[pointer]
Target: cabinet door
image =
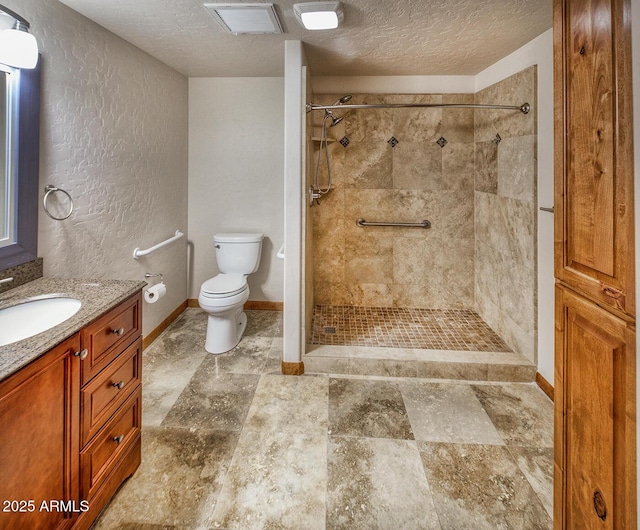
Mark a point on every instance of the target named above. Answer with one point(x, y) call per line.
point(594, 150)
point(595, 416)
point(39, 439)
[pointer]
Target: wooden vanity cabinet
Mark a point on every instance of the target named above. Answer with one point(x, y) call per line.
point(110, 405)
point(39, 440)
point(71, 425)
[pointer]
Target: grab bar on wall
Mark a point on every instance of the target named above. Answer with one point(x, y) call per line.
point(137, 253)
point(421, 224)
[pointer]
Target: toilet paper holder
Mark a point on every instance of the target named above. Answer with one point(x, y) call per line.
point(148, 275)
point(155, 292)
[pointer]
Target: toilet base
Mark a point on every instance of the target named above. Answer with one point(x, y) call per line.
point(224, 334)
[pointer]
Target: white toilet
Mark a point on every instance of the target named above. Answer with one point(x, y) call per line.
point(223, 296)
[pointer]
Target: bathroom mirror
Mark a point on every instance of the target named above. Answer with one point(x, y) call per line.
point(19, 161)
point(6, 175)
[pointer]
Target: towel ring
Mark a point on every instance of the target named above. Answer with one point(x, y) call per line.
point(51, 189)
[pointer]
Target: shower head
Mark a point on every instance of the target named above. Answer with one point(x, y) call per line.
point(329, 114)
point(343, 99)
point(334, 120)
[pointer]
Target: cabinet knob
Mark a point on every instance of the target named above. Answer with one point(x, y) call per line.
point(82, 354)
point(118, 331)
point(118, 439)
point(119, 385)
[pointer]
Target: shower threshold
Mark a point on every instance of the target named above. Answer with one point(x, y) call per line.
point(398, 342)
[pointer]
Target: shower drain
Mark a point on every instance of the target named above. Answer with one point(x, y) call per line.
point(330, 330)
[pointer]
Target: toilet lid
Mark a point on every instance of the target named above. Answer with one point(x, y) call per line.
point(225, 284)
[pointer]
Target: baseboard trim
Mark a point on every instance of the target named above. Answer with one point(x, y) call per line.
point(544, 385)
point(252, 305)
point(263, 305)
point(147, 340)
point(292, 368)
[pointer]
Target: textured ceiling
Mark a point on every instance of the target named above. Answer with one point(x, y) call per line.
point(377, 37)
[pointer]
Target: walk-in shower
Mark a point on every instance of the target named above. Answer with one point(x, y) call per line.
point(463, 166)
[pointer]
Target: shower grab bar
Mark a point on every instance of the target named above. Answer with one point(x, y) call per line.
point(137, 253)
point(421, 224)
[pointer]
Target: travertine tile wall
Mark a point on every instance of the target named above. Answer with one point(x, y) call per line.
point(505, 212)
point(415, 180)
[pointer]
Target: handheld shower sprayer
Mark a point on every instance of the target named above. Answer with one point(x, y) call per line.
point(343, 100)
point(316, 192)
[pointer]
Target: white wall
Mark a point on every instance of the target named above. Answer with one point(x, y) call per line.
point(295, 90)
point(113, 134)
point(236, 153)
point(540, 52)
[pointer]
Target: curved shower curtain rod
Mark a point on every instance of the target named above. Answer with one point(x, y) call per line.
point(524, 108)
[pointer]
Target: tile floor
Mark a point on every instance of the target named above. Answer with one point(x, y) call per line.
point(228, 442)
point(394, 327)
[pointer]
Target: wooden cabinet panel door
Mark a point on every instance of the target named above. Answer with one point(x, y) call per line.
point(595, 416)
point(39, 438)
point(593, 150)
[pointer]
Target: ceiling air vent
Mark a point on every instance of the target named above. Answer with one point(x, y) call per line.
point(245, 18)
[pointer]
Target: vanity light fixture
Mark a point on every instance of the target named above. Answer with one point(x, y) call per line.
point(319, 15)
point(18, 48)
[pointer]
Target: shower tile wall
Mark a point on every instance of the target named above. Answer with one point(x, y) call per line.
point(505, 212)
point(414, 180)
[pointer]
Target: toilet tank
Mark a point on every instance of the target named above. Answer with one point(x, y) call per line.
point(238, 253)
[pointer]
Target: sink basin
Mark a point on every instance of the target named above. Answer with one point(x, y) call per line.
point(35, 316)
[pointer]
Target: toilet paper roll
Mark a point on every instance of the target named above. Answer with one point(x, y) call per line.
point(154, 293)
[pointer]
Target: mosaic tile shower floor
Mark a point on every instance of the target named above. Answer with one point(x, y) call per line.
point(392, 327)
point(228, 442)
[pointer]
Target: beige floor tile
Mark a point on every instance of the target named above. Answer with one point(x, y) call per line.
point(178, 482)
point(521, 413)
point(270, 465)
point(447, 412)
point(362, 408)
point(537, 465)
point(275, 480)
point(290, 405)
point(376, 483)
point(213, 401)
point(480, 487)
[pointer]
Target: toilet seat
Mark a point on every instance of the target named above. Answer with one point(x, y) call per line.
point(224, 286)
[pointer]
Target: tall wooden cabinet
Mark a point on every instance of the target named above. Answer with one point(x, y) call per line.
point(595, 444)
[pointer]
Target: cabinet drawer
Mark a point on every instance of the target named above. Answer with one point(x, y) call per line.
point(108, 390)
point(113, 440)
point(105, 337)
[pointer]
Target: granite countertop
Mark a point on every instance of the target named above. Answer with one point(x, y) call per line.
point(97, 297)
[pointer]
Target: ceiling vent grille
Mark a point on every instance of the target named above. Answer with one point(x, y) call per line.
point(246, 18)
